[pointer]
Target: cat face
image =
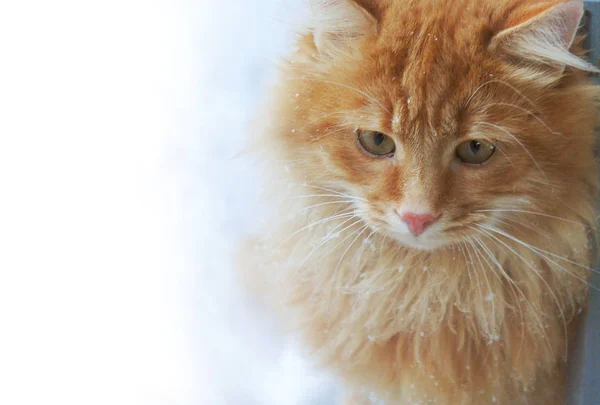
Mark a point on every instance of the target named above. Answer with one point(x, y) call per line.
point(435, 122)
point(422, 183)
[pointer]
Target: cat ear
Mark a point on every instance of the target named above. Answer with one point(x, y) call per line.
point(338, 23)
point(546, 37)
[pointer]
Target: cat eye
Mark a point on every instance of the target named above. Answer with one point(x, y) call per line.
point(475, 152)
point(376, 144)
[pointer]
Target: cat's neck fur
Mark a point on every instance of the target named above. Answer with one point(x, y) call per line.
point(450, 316)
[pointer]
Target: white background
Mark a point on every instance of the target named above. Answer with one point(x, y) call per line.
point(120, 204)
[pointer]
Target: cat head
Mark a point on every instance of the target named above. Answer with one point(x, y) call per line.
point(438, 117)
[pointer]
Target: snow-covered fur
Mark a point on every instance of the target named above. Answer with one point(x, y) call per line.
point(481, 311)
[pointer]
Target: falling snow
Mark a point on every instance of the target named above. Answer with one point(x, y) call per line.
point(494, 339)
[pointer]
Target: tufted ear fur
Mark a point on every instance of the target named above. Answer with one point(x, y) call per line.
point(545, 37)
point(338, 23)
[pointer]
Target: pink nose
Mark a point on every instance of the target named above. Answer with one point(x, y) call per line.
point(417, 223)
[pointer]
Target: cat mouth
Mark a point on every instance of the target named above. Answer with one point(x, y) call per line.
point(422, 242)
point(433, 239)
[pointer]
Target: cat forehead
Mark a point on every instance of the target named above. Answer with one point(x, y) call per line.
point(428, 84)
point(436, 108)
point(413, 121)
point(447, 19)
point(422, 39)
point(432, 61)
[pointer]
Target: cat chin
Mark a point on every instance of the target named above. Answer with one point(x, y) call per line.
point(420, 244)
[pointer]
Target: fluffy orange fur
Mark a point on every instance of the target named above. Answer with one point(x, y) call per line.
point(481, 313)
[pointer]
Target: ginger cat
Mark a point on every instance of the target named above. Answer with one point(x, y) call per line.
point(432, 167)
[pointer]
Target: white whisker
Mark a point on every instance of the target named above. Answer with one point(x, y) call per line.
point(514, 288)
point(537, 273)
point(486, 280)
point(533, 310)
point(466, 262)
point(298, 197)
point(322, 221)
point(511, 222)
point(328, 190)
point(331, 236)
point(339, 202)
point(471, 264)
point(510, 86)
point(534, 213)
point(541, 253)
point(333, 277)
point(531, 114)
point(369, 97)
point(328, 134)
point(499, 128)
